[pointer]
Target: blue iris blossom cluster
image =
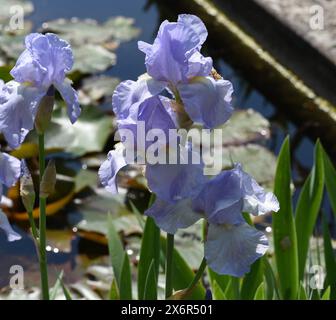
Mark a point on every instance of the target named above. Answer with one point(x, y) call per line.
point(181, 88)
point(40, 69)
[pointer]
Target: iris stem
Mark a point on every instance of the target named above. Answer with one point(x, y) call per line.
point(42, 226)
point(33, 226)
point(169, 265)
point(198, 275)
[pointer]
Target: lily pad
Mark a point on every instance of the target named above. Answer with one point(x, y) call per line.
point(243, 127)
point(96, 89)
point(88, 31)
point(88, 134)
point(93, 215)
point(11, 46)
point(257, 160)
point(92, 59)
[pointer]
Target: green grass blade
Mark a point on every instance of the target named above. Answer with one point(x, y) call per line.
point(330, 180)
point(114, 291)
point(151, 283)
point(302, 293)
point(217, 291)
point(150, 251)
point(125, 287)
point(308, 207)
point(330, 262)
point(260, 292)
point(58, 284)
point(284, 233)
point(326, 294)
point(183, 275)
point(116, 251)
point(252, 280)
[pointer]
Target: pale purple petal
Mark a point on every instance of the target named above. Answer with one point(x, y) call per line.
point(46, 60)
point(10, 169)
point(109, 169)
point(174, 182)
point(70, 96)
point(18, 107)
point(222, 198)
point(207, 101)
point(5, 226)
point(171, 217)
point(130, 94)
point(196, 24)
point(232, 249)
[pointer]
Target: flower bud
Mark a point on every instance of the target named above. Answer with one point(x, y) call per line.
point(27, 191)
point(48, 182)
point(44, 111)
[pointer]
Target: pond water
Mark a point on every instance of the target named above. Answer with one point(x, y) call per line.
point(130, 64)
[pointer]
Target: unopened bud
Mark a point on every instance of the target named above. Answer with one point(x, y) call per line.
point(48, 182)
point(44, 111)
point(27, 191)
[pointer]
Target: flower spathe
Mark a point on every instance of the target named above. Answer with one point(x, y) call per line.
point(10, 171)
point(44, 63)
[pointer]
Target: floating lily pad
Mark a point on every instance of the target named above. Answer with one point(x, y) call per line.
point(88, 134)
point(96, 89)
point(88, 31)
point(92, 59)
point(11, 46)
point(257, 160)
point(243, 127)
point(93, 214)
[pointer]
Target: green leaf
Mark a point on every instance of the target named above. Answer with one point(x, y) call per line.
point(330, 180)
point(271, 285)
point(302, 293)
point(217, 292)
point(330, 261)
point(284, 233)
point(114, 292)
point(232, 289)
point(183, 275)
point(66, 292)
point(125, 284)
point(150, 251)
point(308, 207)
point(150, 292)
point(326, 294)
point(117, 253)
point(252, 280)
point(260, 292)
point(54, 290)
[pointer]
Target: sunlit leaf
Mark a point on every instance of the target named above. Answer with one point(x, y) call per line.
point(284, 233)
point(308, 207)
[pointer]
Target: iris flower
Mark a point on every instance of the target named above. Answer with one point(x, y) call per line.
point(42, 65)
point(231, 245)
point(10, 171)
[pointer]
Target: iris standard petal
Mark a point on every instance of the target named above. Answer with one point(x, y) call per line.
point(70, 96)
point(18, 107)
point(167, 58)
point(207, 101)
point(196, 24)
point(10, 169)
point(130, 94)
point(171, 217)
point(232, 249)
point(5, 226)
point(45, 61)
point(109, 169)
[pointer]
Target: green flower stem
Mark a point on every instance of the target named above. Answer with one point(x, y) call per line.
point(43, 227)
point(169, 265)
point(33, 226)
point(198, 275)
